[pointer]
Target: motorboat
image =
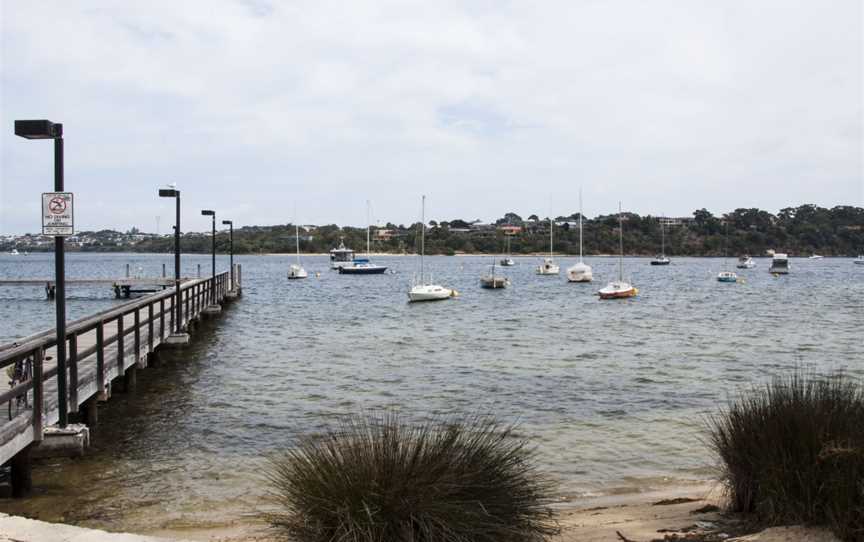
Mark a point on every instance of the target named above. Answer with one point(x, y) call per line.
point(549, 267)
point(14, 252)
point(619, 289)
point(727, 276)
point(362, 266)
point(815, 257)
point(859, 260)
point(426, 291)
point(341, 256)
point(745, 262)
point(779, 264)
point(493, 281)
point(580, 272)
point(295, 270)
point(661, 259)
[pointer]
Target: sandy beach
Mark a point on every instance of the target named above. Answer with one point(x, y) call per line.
point(689, 513)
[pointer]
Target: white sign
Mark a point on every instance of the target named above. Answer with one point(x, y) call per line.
point(57, 216)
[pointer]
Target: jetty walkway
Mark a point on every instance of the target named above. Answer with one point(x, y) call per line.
point(104, 350)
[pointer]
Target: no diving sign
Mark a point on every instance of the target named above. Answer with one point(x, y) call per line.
point(57, 216)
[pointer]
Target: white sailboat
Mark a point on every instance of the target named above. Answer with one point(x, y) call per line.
point(422, 290)
point(619, 289)
point(661, 258)
point(295, 270)
point(726, 275)
point(549, 267)
point(580, 272)
point(507, 261)
point(493, 281)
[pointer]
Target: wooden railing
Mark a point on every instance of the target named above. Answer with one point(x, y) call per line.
point(154, 313)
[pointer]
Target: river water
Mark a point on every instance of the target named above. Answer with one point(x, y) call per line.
point(613, 393)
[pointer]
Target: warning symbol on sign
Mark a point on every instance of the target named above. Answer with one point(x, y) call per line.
point(57, 216)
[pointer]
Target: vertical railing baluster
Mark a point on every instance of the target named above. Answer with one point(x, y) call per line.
point(150, 328)
point(162, 319)
point(120, 346)
point(137, 335)
point(100, 357)
point(73, 373)
point(38, 394)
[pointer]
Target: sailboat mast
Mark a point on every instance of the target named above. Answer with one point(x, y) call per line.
point(662, 238)
point(580, 225)
point(422, 235)
point(297, 237)
point(620, 245)
point(368, 226)
point(550, 236)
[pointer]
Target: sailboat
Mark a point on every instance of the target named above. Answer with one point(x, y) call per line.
point(493, 281)
point(549, 267)
point(362, 266)
point(507, 261)
point(859, 260)
point(619, 289)
point(661, 258)
point(295, 270)
point(580, 272)
point(426, 291)
point(726, 275)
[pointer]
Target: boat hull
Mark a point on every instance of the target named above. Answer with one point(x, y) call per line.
point(552, 270)
point(429, 293)
point(618, 290)
point(580, 272)
point(363, 270)
point(660, 262)
point(495, 283)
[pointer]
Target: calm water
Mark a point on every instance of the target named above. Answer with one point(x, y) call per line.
point(614, 393)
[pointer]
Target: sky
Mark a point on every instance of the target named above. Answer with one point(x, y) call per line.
point(270, 112)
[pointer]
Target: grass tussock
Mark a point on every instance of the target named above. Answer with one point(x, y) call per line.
point(380, 479)
point(793, 452)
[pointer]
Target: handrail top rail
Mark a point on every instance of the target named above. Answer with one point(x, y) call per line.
point(47, 339)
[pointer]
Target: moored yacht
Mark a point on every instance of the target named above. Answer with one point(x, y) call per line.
point(362, 266)
point(295, 270)
point(779, 264)
point(859, 260)
point(341, 256)
point(507, 261)
point(580, 272)
point(549, 267)
point(493, 281)
point(426, 291)
point(727, 276)
point(745, 262)
point(619, 289)
point(661, 258)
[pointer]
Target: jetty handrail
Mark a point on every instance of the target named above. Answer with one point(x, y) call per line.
point(47, 339)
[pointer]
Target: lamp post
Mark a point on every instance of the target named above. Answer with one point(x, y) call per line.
point(230, 225)
point(45, 129)
point(207, 212)
point(178, 307)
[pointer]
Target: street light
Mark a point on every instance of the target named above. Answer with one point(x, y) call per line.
point(230, 225)
point(45, 129)
point(174, 193)
point(207, 212)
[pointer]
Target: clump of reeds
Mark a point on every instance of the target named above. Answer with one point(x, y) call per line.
point(381, 479)
point(793, 452)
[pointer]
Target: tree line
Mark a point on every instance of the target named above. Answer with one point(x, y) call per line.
point(802, 230)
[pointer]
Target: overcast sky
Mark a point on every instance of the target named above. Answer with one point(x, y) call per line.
point(255, 107)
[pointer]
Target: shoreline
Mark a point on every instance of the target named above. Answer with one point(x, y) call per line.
point(687, 510)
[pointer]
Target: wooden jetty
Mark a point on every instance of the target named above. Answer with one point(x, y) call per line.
point(102, 348)
point(124, 287)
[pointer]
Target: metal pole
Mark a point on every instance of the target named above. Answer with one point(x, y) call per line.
point(213, 278)
point(177, 302)
point(60, 299)
point(231, 252)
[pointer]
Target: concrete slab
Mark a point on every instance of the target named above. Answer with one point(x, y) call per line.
point(31, 530)
point(176, 339)
point(69, 441)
